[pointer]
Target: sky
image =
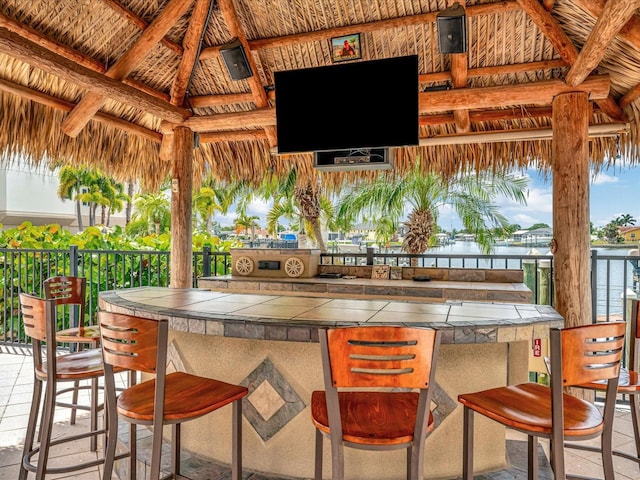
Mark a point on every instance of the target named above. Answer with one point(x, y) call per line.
point(613, 192)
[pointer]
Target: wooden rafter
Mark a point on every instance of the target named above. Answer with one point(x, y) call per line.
point(459, 77)
point(203, 101)
point(191, 45)
point(59, 104)
point(565, 48)
point(140, 23)
point(368, 27)
point(615, 14)
point(28, 52)
point(257, 89)
point(630, 32)
point(69, 53)
point(92, 101)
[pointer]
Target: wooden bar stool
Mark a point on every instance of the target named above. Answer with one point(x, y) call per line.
point(51, 369)
point(69, 295)
point(140, 344)
point(579, 355)
point(628, 384)
point(378, 386)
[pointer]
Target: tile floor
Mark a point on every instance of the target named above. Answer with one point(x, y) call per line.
point(15, 397)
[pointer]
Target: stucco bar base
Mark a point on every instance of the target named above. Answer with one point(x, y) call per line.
point(290, 451)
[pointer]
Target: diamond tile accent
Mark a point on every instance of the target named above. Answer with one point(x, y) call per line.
point(272, 401)
point(266, 400)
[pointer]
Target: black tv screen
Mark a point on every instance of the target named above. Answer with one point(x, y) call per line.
point(368, 104)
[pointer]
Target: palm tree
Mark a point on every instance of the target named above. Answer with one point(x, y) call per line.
point(152, 209)
point(72, 180)
point(303, 204)
point(470, 195)
point(247, 222)
point(205, 205)
point(215, 196)
point(626, 219)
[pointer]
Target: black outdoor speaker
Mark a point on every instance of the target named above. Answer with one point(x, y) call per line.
point(235, 60)
point(452, 31)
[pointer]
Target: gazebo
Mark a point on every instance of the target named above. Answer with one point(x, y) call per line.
point(157, 89)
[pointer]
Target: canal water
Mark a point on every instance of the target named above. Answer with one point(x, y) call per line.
point(612, 286)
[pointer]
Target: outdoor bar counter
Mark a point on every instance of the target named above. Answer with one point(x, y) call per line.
point(269, 343)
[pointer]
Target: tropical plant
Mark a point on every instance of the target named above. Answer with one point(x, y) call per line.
point(303, 204)
point(71, 182)
point(152, 213)
point(625, 220)
point(246, 222)
point(470, 195)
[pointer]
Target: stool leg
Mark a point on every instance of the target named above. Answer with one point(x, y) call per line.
point(532, 457)
point(93, 412)
point(74, 402)
point(318, 466)
point(46, 428)
point(467, 444)
point(635, 420)
point(606, 444)
point(236, 441)
point(31, 425)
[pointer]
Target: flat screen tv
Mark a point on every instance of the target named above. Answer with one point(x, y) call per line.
point(369, 104)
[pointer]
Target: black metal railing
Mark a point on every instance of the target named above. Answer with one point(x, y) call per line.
point(614, 278)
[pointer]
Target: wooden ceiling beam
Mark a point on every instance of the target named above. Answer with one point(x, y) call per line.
point(368, 27)
point(630, 32)
point(233, 136)
point(565, 48)
point(66, 106)
point(533, 93)
point(459, 80)
point(140, 23)
point(260, 118)
point(631, 96)
point(255, 83)
point(478, 116)
point(28, 52)
point(69, 53)
point(92, 101)
point(203, 101)
point(191, 45)
point(615, 14)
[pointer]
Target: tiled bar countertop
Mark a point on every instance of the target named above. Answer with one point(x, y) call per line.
point(268, 342)
point(297, 318)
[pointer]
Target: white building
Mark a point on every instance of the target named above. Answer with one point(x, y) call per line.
point(28, 194)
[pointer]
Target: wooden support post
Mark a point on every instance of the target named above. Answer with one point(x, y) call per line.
point(181, 194)
point(570, 169)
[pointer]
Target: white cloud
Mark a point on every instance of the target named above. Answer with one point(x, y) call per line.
point(602, 178)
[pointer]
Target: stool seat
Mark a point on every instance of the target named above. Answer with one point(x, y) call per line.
point(378, 384)
point(167, 398)
point(527, 407)
point(88, 335)
point(186, 397)
point(585, 354)
point(40, 325)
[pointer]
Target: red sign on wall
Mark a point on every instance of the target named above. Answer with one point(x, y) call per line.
point(537, 347)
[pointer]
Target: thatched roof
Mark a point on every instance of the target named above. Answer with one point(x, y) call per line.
point(55, 54)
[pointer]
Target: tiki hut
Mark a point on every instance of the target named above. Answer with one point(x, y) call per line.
point(123, 85)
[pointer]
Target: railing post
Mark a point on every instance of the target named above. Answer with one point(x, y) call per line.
point(594, 286)
point(73, 260)
point(73, 271)
point(369, 255)
point(206, 261)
